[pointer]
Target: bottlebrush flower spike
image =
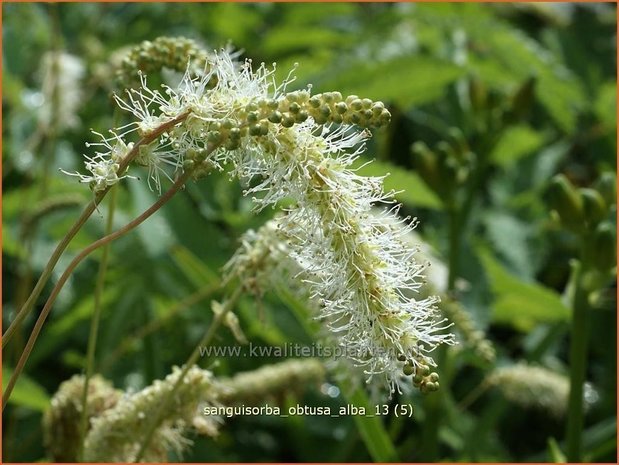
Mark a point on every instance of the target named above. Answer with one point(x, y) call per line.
point(298, 146)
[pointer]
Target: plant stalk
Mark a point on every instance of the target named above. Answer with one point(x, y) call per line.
point(88, 210)
point(191, 361)
point(578, 365)
point(94, 324)
point(76, 261)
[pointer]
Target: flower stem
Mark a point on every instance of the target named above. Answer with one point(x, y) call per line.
point(76, 261)
point(90, 208)
point(193, 358)
point(578, 365)
point(94, 324)
point(453, 256)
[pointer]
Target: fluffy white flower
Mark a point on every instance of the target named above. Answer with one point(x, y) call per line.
point(104, 166)
point(355, 264)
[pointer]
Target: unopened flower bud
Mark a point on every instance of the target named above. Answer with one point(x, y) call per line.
point(606, 185)
point(564, 198)
point(604, 246)
point(593, 205)
point(275, 117)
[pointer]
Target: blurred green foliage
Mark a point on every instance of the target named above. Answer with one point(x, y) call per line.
point(501, 96)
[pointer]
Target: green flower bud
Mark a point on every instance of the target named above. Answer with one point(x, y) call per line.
point(200, 155)
point(341, 108)
point(235, 133)
point(356, 104)
point(338, 119)
point(377, 108)
point(478, 94)
point(287, 121)
point(293, 96)
point(321, 119)
point(385, 117)
point(594, 207)
point(301, 116)
point(214, 137)
point(315, 101)
point(231, 144)
point(252, 117)
point(294, 107)
point(606, 185)
point(566, 201)
point(408, 369)
point(604, 252)
point(427, 166)
point(275, 117)
point(355, 118)
point(459, 143)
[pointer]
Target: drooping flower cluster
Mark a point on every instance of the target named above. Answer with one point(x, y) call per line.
point(116, 434)
point(117, 420)
point(301, 147)
point(532, 386)
point(172, 53)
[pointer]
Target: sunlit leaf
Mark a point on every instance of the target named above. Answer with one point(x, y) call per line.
point(409, 187)
point(515, 143)
point(26, 393)
point(519, 303)
point(405, 81)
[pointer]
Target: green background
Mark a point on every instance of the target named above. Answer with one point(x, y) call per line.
point(428, 63)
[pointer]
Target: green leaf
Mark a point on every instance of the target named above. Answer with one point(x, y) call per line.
point(515, 143)
point(410, 188)
point(192, 267)
point(555, 454)
point(287, 39)
point(509, 57)
point(26, 393)
point(518, 303)
point(406, 81)
point(260, 327)
point(606, 105)
point(371, 429)
point(155, 233)
point(510, 237)
point(56, 331)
